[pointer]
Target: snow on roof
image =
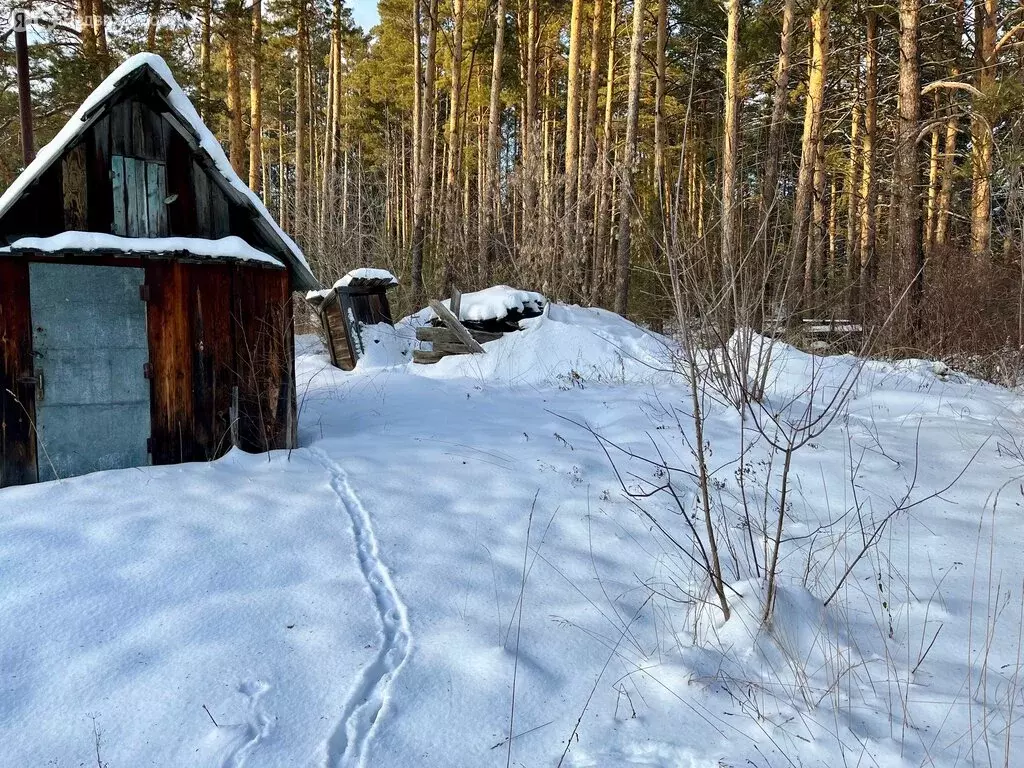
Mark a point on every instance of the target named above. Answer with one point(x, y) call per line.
point(181, 104)
point(496, 302)
point(230, 248)
point(367, 274)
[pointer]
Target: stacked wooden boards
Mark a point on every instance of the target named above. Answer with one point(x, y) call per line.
point(451, 337)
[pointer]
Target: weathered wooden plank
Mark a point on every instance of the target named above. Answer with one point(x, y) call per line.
point(456, 303)
point(120, 129)
point(172, 404)
point(181, 211)
point(117, 179)
point(141, 134)
point(100, 190)
point(135, 189)
point(433, 333)
point(17, 411)
point(156, 192)
point(338, 340)
point(73, 168)
point(203, 206)
point(220, 218)
point(452, 348)
point(212, 350)
point(428, 357)
point(453, 324)
point(264, 358)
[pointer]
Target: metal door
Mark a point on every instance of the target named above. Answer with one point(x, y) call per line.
point(91, 350)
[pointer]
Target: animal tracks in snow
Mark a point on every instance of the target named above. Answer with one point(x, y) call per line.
point(347, 744)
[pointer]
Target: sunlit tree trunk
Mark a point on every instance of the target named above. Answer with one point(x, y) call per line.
point(730, 244)
point(780, 101)
point(423, 181)
point(256, 101)
point(981, 133)
point(629, 162)
point(485, 244)
point(236, 139)
point(602, 221)
point(909, 252)
point(813, 108)
point(868, 183)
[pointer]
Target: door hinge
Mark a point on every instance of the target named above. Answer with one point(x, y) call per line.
point(147, 371)
point(34, 381)
point(149, 445)
point(144, 292)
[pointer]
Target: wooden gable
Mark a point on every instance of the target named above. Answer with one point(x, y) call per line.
point(136, 170)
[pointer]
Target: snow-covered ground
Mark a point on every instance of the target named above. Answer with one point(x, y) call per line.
point(447, 537)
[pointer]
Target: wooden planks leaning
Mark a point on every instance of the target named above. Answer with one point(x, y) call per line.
point(453, 338)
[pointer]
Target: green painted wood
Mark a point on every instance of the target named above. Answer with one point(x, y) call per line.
point(156, 193)
point(120, 224)
point(90, 347)
point(135, 187)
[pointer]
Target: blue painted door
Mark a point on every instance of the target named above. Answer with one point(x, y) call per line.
point(91, 348)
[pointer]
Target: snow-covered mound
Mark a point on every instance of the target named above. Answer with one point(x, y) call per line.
point(496, 302)
point(367, 274)
point(565, 346)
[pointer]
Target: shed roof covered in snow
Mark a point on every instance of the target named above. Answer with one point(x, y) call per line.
point(367, 277)
point(139, 114)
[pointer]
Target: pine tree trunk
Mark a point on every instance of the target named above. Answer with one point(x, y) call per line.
point(453, 244)
point(852, 187)
point(868, 183)
point(531, 137)
point(301, 109)
point(943, 212)
point(205, 45)
point(908, 172)
point(931, 209)
point(586, 209)
point(629, 162)
point(981, 134)
point(730, 244)
point(776, 130)
point(572, 132)
point(944, 205)
point(151, 25)
point(84, 8)
point(236, 141)
point(813, 108)
point(426, 146)
point(102, 51)
point(493, 137)
point(256, 101)
point(602, 221)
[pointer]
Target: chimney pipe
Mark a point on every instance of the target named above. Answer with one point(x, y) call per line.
point(24, 87)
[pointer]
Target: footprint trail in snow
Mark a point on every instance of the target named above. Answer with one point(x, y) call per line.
point(347, 745)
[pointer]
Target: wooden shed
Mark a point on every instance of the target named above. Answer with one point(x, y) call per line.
point(145, 294)
point(359, 298)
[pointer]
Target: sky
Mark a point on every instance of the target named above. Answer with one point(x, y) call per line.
point(365, 13)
